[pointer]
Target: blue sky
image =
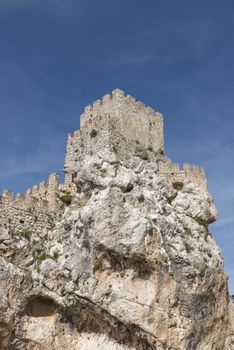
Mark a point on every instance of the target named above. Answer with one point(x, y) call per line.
point(57, 56)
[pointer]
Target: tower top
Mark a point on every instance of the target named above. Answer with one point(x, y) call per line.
point(116, 102)
point(116, 123)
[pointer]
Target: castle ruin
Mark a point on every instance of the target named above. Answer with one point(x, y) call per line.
point(117, 126)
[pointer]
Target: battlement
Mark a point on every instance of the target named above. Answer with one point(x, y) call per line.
point(36, 209)
point(41, 196)
point(116, 123)
point(188, 174)
point(116, 103)
point(123, 125)
point(131, 119)
point(18, 217)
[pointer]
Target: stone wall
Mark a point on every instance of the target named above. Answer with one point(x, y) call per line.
point(36, 209)
point(41, 196)
point(93, 138)
point(131, 118)
point(20, 217)
point(188, 174)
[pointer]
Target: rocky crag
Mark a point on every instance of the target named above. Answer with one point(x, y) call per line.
point(119, 256)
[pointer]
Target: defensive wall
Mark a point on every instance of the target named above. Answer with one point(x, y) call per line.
point(36, 209)
point(19, 218)
point(188, 174)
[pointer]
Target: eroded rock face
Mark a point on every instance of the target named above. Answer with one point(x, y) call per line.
point(131, 265)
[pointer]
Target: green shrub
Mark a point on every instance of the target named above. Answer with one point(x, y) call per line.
point(43, 256)
point(62, 291)
point(26, 233)
point(12, 232)
point(55, 255)
point(202, 223)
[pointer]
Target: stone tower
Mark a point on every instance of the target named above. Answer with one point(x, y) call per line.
point(118, 124)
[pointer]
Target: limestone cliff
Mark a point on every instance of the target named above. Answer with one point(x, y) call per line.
point(131, 263)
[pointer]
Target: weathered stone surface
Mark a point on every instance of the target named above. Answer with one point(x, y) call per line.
point(131, 265)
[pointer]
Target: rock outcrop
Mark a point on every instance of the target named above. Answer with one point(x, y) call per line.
point(131, 264)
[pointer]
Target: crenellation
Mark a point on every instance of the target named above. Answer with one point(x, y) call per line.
point(28, 193)
point(7, 194)
point(188, 174)
point(42, 188)
point(130, 100)
point(149, 110)
point(129, 117)
point(19, 197)
point(34, 209)
point(53, 188)
point(88, 109)
point(117, 94)
point(35, 189)
point(175, 167)
point(54, 180)
point(140, 106)
point(37, 196)
point(67, 179)
point(158, 115)
point(96, 105)
point(76, 134)
point(195, 174)
point(106, 98)
point(186, 167)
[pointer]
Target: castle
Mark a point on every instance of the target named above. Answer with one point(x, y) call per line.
point(117, 127)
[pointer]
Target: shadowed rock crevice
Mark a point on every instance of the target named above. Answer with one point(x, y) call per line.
point(39, 306)
point(88, 318)
point(106, 259)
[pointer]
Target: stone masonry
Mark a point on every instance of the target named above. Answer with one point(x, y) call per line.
point(117, 126)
